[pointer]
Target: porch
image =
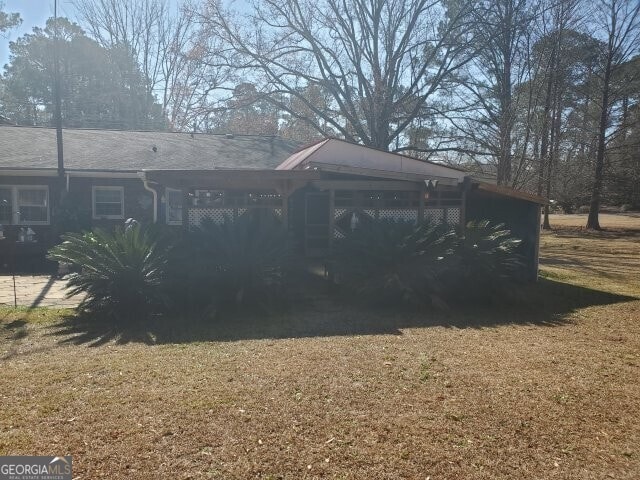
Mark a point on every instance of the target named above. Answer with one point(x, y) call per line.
point(316, 207)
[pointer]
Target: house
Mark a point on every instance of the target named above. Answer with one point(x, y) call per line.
point(319, 192)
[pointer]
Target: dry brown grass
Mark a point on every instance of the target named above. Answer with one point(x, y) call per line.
point(547, 389)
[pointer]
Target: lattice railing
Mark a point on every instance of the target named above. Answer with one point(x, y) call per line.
point(197, 215)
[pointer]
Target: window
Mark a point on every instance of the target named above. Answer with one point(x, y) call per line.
point(24, 205)
point(6, 205)
point(108, 202)
point(173, 204)
point(33, 204)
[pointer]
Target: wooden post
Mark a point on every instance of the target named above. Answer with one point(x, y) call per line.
point(284, 189)
point(537, 210)
point(332, 198)
point(423, 190)
point(466, 186)
point(186, 206)
point(285, 209)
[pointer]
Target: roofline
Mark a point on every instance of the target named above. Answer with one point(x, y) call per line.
point(245, 177)
point(29, 172)
point(239, 171)
point(371, 172)
point(85, 173)
point(309, 145)
point(510, 192)
point(204, 134)
point(314, 147)
point(88, 173)
point(311, 149)
point(72, 172)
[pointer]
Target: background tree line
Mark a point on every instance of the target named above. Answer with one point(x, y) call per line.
point(543, 94)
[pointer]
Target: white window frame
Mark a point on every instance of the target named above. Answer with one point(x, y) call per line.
point(12, 194)
point(168, 190)
point(15, 214)
point(93, 202)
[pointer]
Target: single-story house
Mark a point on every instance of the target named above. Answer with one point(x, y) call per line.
point(317, 191)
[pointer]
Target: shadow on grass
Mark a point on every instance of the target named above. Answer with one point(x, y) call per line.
point(546, 303)
point(16, 329)
point(604, 234)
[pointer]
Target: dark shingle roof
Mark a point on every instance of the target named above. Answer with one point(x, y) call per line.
point(32, 147)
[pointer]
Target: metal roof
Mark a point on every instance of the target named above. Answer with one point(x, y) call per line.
point(338, 155)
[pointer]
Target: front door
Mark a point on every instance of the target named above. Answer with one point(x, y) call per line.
point(316, 229)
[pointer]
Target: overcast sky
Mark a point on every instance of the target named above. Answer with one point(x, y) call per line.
point(34, 13)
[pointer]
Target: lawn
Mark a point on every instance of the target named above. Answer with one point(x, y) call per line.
point(544, 388)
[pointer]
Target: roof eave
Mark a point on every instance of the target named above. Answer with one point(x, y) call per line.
point(510, 192)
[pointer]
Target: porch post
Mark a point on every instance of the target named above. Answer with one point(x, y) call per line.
point(421, 193)
point(332, 198)
point(186, 206)
point(466, 186)
point(285, 208)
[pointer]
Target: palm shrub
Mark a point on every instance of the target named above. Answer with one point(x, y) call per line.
point(120, 273)
point(393, 261)
point(485, 261)
point(398, 262)
point(236, 263)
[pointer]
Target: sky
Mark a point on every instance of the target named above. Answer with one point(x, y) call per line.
point(34, 13)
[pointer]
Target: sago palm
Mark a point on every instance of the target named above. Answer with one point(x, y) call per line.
point(119, 273)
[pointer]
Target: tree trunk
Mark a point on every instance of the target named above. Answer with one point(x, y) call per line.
point(506, 105)
point(555, 150)
point(593, 221)
point(546, 225)
point(544, 142)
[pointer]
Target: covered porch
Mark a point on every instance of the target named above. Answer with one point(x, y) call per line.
point(316, 207)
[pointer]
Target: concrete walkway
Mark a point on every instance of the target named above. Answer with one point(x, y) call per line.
point(35, 291)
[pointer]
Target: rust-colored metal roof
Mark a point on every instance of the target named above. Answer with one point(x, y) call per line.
point(510, 192)
point(300, 156)
point(333, 154)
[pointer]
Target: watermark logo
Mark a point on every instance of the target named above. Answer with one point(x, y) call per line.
point(35, 468)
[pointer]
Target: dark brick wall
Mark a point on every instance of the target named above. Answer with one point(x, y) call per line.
point(74, 214)
point(138, 203)
point(521, 217)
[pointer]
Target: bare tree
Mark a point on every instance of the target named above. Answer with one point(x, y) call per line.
point(503, 30)
point(166, 46)
point(618, 23)
point(380, 61)
point(556, 47)
point(137, 25)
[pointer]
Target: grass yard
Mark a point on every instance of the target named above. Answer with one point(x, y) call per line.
point(544, 389)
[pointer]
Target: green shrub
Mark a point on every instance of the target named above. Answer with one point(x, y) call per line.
point(484, 261)
point(396, 262)
point(120, 273)
point(237, 263)
point(392, 262)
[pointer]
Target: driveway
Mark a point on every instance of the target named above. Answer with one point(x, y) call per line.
point(35, 291)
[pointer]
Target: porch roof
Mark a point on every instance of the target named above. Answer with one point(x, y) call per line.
point(231, 178)
point(339, 156)
point(490, 189)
